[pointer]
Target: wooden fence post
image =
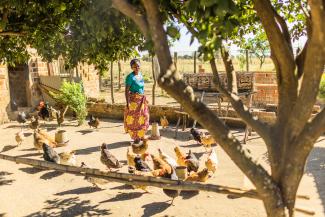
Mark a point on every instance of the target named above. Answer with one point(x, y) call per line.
point(194, 61)
point(247, 61)
point(119, 74)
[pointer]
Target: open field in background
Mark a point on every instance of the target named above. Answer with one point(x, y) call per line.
point(187, 66)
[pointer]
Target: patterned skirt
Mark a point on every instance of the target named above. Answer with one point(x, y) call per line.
point(136, 118)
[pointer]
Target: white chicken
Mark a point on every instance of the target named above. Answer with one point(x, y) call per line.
point(212, 161)
point(168, 159)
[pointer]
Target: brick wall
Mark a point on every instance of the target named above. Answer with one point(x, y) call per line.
point(266, 87)
point(4, 94)
point(90, 79)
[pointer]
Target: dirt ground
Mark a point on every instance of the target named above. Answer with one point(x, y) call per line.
point(26, 191)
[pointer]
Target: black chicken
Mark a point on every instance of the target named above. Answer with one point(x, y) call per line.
point(141, 165)
point(196, 135)
point(44, 112)
point(169, 192)
point(192, 162)
point(50, 155)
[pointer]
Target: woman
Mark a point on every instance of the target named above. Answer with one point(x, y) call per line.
point(136, 115)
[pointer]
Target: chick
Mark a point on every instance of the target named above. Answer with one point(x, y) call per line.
point(108, 159)
point(68, 158)
point(19, 137)
point(164, 122)
point(96, 182)
point(196, 135)
point(212, 162)
point(207, 141)
point(180, 157)
point(192, 162)
point(140, 148)
point(201, 176)
point(50, 155)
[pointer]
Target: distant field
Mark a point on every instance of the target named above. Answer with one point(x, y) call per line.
point(187, 66)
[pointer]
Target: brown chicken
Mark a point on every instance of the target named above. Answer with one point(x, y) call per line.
point(140, 148)
point(212, 162)
point(207, 141)
point(108, 159)
point(60, 115)
point(164, 122)
point(19, 137)
point(46, 136)
point(93, 122)
point(96, 182)
point(34, 124)
point(161, 168)
point(68, 158)
point(130, 157)
point(201, 176)
point(181, 158)
point(39, 139)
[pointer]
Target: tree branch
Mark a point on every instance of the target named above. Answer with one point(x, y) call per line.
point(130, 11)
point(230, 71)
point(171, 82)
point(11, 33)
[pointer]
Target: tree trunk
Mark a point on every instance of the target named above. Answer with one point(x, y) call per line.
point(154, 81)
point(119, 75)
point(112, 84)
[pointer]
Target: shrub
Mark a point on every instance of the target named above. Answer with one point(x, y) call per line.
point(72, 94)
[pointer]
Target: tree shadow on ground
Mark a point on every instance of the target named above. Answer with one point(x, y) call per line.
point(28, 149)
point(120, 125)
point(3, 180)
point(188, 194)
point(170, 133)
point(110, 146)
point(8, 148)
point(51, 175)
point(124, 197)
point(84, 132)
point(70, 207)
point(316, 167)
point(28, 134)
point(31, 170)
point(122, 187)
point(82, 190)
point(2, 214)
point(154, 208)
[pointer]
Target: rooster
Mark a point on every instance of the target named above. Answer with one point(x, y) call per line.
point(93, 122)
point(164, 122)
point(19, 137)
point(108, 159)
point(180, 156)
point(196, 135)
point(44, 112)
point(212, 162)
point(50, 155)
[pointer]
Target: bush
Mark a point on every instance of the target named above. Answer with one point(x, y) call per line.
point(321, 93)
point(72, 95)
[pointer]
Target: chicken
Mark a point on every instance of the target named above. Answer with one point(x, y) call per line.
point(169, 192)
point(68, 158)
point(140, 148)
point(180, 157)
point(93, 122)
point(47, 136)
point(34, 124)
point(49, 154)
point(207, 141)
point(21, 118)
point(108, 159)
point(130, 157)
point(52, 112)
point(192, 162)
point(93, 180)
point(141, 165)
point(60, 116)
point(19, 137)
point(164, 122)
point(133, 170)
point(212, 162)
point(168, 159)
point(201, 176)
point(160, 167)
point(196, 135)
point(44, 112)
point(40, 137)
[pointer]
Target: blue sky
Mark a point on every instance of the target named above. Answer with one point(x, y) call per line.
point(183, 45)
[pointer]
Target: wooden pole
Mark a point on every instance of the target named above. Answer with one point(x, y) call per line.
point(247, 61)
point(112, 83)
point(154, 82)
point(194, 61)
point(119, 74)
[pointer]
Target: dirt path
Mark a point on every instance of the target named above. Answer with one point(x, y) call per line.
point(26, 191)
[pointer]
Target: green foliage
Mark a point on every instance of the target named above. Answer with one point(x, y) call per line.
point(72, 94)
point(146, 78)
point(321, 93)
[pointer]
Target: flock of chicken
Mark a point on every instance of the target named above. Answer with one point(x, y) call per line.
point(139, 160)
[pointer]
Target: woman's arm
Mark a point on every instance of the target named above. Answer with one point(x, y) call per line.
point(127, 92)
